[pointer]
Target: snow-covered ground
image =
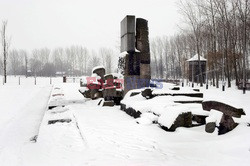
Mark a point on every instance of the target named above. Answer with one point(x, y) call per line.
point(106, 135)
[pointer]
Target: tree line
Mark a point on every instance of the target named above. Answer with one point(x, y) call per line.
point(70, 61)
point(215, 29)
point(218, 30)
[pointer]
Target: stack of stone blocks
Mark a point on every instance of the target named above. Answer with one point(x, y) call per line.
point(108, 87)
point(135, 41)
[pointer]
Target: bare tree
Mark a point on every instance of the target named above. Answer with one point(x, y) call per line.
point(243, 7)
point(153, 50)
point(191, 10)
point(1, 63)
point(14, 61)
point(82, 54)
point(106, 55)
point(24, 55)
point(95, 60)
point(58, 58)
point(5, 45)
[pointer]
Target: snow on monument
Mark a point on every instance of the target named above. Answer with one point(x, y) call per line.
point(135, 53)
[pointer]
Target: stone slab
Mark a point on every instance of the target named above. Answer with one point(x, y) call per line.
point(226, 109)
point(128, 25)
point(128, 43)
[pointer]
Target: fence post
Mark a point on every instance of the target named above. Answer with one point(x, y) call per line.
point(64, 79)
point(50, 81)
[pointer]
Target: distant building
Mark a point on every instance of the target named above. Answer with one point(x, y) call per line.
point(60, 73)
point(193, 71)
point(29, 73)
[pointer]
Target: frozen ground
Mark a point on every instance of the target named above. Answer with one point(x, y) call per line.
point(107, 136)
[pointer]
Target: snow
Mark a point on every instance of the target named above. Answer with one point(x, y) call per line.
point(183, 90)
point(22, 109)
point(160, 104)
point(97, 78)
point(137, 50)
point(98, 67)
point(168, 118)
point(147, 118)
point(108, 136)
point(214, 116)
point(118, 75)
point(196, 58)
point(144, 121)
point(123, 54)
point(83, 79)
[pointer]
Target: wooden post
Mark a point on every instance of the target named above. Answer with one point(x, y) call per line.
point(64, 79)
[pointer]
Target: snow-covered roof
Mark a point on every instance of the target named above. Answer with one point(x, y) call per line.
point(195, 58)
point(60, 72)
point(97, 67)
point(123, 54)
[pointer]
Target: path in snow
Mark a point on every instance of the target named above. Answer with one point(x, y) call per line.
point(21, 115)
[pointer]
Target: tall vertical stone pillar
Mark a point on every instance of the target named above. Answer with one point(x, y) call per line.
point(134, 35)
point(142, 44)
point(132, 62)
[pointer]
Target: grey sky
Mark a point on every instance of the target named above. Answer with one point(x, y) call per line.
point(91, 23)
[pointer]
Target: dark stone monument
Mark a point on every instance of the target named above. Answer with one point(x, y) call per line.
point(128, 34)
point(142, 41)
point(135, 41)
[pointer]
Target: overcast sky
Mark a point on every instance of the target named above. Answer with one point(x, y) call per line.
point(91, 23)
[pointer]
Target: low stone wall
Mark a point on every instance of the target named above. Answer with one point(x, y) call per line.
point(200, 95)
point(226, 109)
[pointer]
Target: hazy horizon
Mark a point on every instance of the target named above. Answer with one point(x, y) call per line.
point(93, 24)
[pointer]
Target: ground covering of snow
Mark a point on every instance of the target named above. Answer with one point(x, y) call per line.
point(166, 107)
point(22, 109)
point(214, 116)
point(106, 135)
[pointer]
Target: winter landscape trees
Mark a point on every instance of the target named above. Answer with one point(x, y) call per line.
point(215, 29)
point(72, 61)
point(5, 47)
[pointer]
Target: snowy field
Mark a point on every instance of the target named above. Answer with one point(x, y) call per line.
point(107, 136)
